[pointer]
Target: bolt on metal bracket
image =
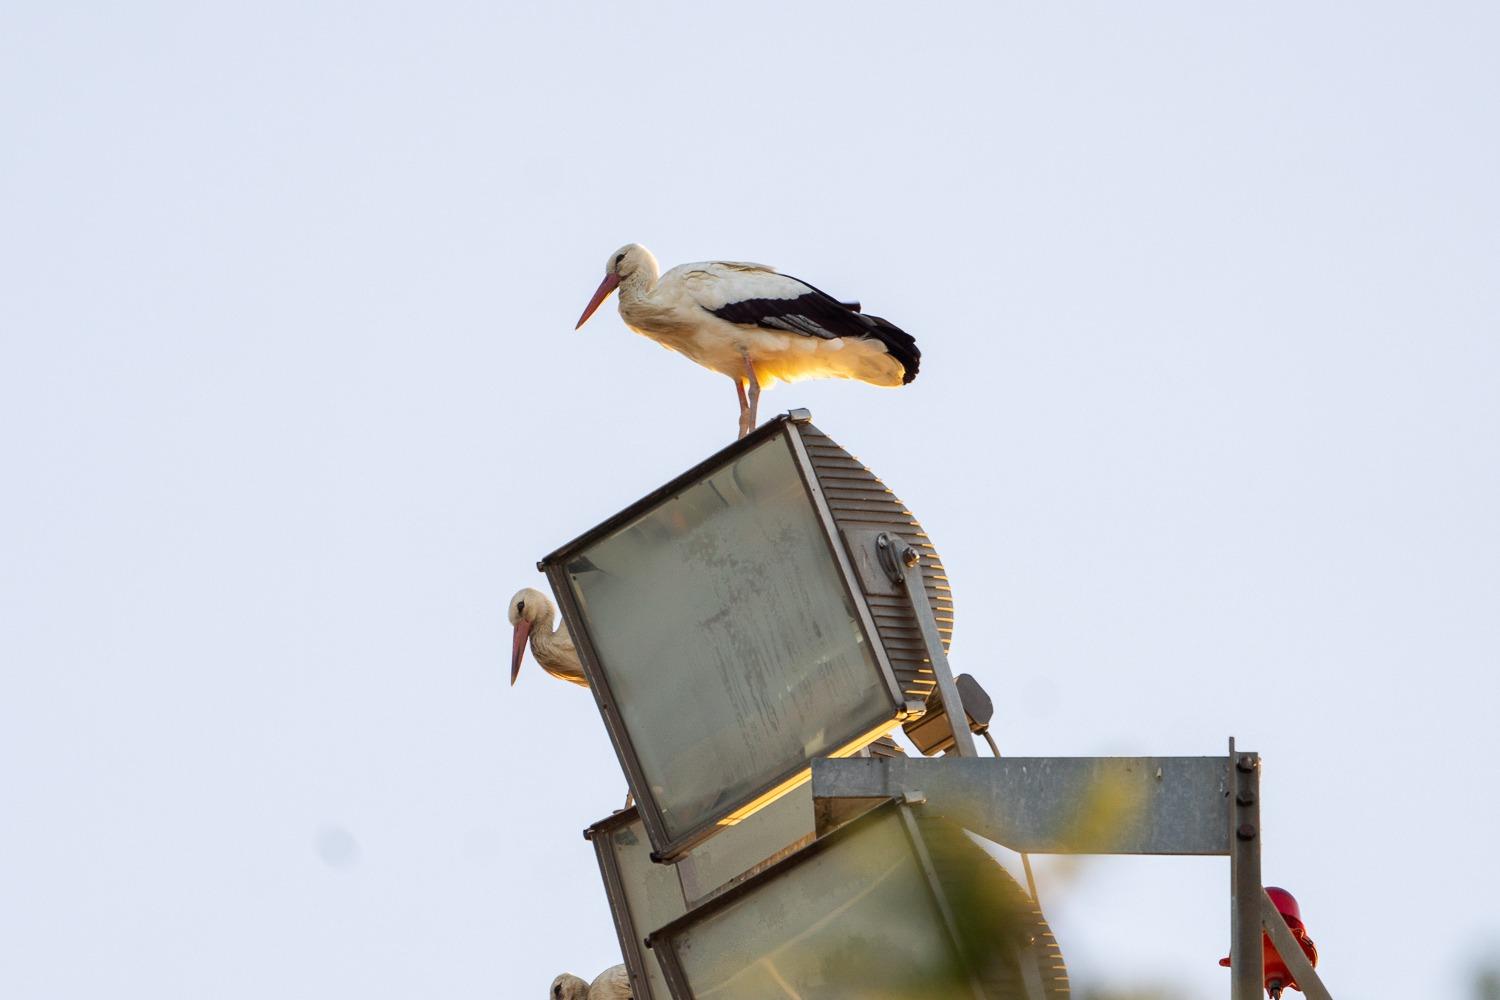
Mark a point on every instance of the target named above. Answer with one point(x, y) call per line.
point(886, 548)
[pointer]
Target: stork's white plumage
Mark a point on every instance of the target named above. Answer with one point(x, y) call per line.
point(611, 984)
point(531, 614)
point(753, 324)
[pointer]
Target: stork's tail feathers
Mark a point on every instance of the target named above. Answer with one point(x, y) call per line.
point(901, 345)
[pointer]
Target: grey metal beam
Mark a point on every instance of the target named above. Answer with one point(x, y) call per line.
point(1246, 957)
point(1290, 951)
point(1054, 805)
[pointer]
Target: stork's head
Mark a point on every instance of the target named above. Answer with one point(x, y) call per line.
point(528, 608)
point(568, 987)
point(630, 261)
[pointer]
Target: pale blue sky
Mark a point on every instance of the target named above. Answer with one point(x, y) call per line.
point(290, 403)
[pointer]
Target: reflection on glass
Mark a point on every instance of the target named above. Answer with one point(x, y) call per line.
point(784, 824)
point(732, 650)
point(652, 894)
point(856, 920)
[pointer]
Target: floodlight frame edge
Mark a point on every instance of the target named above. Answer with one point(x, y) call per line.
point(600, 834)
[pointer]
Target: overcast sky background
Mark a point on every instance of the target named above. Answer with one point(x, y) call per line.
point(290, 403)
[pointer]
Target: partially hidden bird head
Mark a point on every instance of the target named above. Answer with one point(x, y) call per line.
point(528, 608)
point(568, 987)
point(625, 263)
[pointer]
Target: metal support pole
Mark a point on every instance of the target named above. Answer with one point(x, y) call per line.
point(1290, 951)
point(904, 565)
point(1246, 959)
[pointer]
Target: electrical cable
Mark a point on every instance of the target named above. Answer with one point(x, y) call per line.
point(1025, 858)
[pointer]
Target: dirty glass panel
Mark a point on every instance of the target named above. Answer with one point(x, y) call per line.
point(788, 822)
point(855, 921)
point(731, 647)
point(652, 895)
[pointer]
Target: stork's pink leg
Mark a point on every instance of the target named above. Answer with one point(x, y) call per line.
point(739, 388)
point(748, 421)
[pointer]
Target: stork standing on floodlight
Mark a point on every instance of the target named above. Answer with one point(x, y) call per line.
point(754, 325)
point(531, 614)
point(611, 984)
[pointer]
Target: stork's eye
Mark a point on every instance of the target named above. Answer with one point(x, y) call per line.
point(520, 607)
point(557, 991)
point(619, 258)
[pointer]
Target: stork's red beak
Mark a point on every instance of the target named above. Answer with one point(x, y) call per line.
point(518, 648)
point(610, 282)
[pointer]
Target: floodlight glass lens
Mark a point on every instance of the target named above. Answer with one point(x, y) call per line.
point(855, 921)
point(732, 649)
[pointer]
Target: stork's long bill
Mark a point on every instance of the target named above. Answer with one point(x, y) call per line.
point(518, 648)
point(610, 282)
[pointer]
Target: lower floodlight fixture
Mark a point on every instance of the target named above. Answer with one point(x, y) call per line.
point(895, 904)
point(738, 622)
point(644, 895)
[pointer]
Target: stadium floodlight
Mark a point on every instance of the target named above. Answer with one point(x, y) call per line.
point(894, 904)
point(743, 620)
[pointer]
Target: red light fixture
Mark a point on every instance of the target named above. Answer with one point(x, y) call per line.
point(1278, 977)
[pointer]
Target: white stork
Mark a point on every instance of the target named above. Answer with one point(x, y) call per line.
point(531, 614)
point(754, 325)
point(611, 984)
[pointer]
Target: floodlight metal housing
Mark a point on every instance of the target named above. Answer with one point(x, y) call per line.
point(737, 623)
point(895, 904)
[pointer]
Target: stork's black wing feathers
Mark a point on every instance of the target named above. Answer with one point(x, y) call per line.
point(818, 314)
